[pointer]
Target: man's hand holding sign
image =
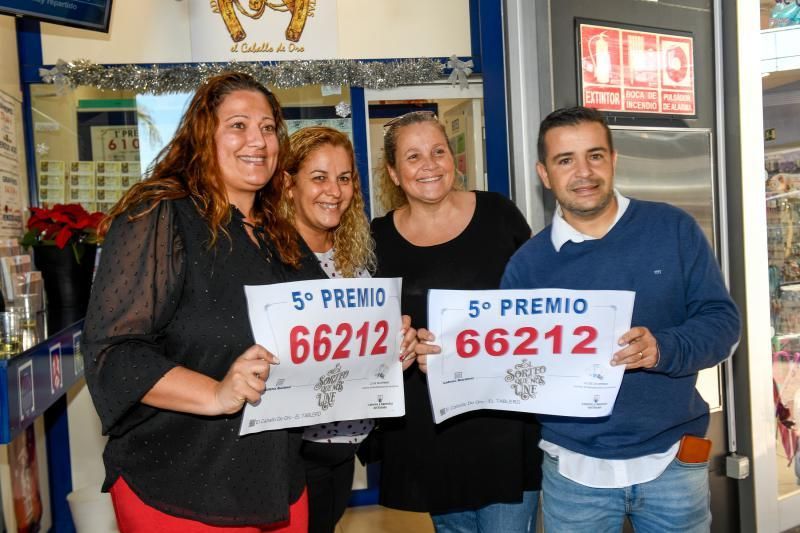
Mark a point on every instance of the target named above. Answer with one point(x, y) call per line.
point(337, 341)
point(640, 349)
point(545, 351)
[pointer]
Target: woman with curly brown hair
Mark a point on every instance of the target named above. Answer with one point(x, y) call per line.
point(320, 198)
point(170, 357)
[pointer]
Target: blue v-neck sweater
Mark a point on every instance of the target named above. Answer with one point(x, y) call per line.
point(659, 252)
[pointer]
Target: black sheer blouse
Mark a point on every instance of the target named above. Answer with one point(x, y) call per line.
point(163, 298)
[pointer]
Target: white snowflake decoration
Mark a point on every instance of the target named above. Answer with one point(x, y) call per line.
point(343, 109)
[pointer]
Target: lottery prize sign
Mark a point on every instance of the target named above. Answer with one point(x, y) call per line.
point(544, 351)
point(338, 341)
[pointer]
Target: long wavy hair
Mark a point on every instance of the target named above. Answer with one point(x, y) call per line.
point(187, 166)
point(353, 248)
point(390, 195)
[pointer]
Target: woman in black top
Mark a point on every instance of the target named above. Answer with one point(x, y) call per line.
point(479, 471)
point(170, 358)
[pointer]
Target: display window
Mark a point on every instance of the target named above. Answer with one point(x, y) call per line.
point(91, 146)
point(459, 110)
point(781, 101)
point(782, 194)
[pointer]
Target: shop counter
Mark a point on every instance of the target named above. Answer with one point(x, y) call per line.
point(33, 384)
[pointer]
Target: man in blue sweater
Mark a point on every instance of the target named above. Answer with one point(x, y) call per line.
point(597, 471)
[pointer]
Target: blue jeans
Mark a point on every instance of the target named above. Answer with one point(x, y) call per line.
point(494, 518)
point(677, 500)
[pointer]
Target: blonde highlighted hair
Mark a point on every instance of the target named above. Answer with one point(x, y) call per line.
point(390, 195)
point(353, 248)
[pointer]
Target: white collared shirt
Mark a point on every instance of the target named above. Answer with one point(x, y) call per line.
point(562, 232)
point(583, 469)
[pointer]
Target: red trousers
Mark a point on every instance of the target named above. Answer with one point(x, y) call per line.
point(135, 516)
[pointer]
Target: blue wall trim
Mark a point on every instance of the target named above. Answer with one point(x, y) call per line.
point(359, 121)
point(29, 49)
point(30, 145)
point(492, 46)
point(59, 469)
point(475, 35)
point(29, 54)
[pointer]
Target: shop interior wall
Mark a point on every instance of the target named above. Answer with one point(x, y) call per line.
point(694, 16)
point(157, 31)
point(9, 74)
point(10, 85)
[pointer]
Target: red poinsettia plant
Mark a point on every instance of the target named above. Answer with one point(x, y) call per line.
point(61, 225)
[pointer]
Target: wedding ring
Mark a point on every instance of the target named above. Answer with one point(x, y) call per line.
point(641, 355)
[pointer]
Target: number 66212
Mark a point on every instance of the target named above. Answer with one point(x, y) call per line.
point(526, 341)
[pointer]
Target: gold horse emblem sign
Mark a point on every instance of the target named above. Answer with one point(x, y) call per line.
point(298, 8)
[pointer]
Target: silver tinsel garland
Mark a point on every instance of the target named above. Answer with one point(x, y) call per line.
point(157, 79)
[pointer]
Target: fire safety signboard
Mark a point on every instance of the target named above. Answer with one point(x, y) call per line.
point(633, 71)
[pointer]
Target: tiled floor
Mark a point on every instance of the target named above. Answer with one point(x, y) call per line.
point(378, 519)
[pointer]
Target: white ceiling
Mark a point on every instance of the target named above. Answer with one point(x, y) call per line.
point(776, 79)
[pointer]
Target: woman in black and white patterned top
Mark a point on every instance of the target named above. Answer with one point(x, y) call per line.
point(320, 198)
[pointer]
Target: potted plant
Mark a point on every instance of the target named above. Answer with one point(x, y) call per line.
point(64, 240)
point(62, 225)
